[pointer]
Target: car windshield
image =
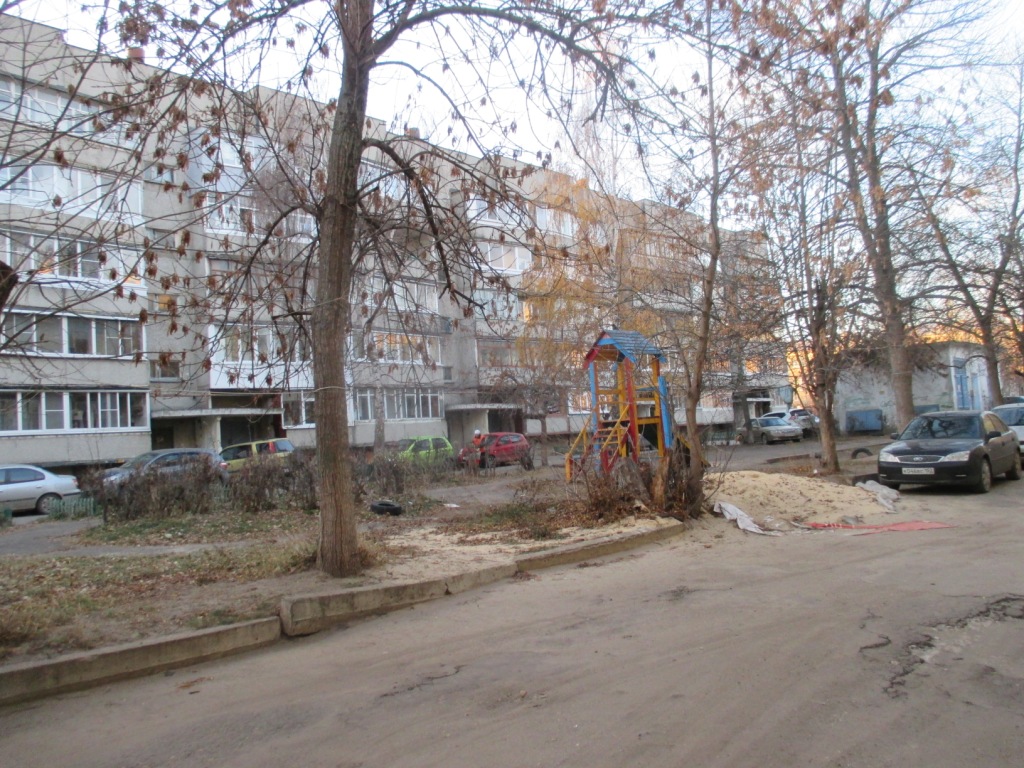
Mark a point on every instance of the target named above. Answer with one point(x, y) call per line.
point(942, 427)
point(773, 422)
point(404, 445)
point(1014, 416)
point(140, 461)
point(489, 440)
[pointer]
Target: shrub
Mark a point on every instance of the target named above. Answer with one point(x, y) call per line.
point(151, 494)
point(260, 484)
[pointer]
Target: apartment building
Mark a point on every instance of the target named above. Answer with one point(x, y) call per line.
point(164, 232)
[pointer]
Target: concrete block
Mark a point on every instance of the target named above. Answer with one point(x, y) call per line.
point(306, 614)
point(31, 680)
point(577, 553)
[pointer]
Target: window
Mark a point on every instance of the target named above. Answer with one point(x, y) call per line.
point(78, 258)
point(118, 337)
point(79, 336)
point(236, 215)
point(497, 305)
point(79, 118)
point(25, 184)
point(164, 370)
point(403, 348)
point(62, 256)
point(35, 411)
point(80, 192)
point(49, 334)
point(493, 212)
point(495, 354)
point(299, 224)
point(72, 335)
point(394, 404)
point(8, 411)
point(22, 475)
point(42, 106)
point(30, 410)
point(298, 408)
point(265, 346)
point(506, 257)
point(53, 410)
point(365, 401)
point(400, 403)
point(160, 173)
point(10, 96)
point(165, 302)
point(79, 410)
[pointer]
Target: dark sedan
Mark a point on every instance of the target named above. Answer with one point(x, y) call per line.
point(183, 463)
point(951, 447)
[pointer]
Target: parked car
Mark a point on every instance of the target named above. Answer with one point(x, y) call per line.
point(426, 450)
point(23, 486)
point(952, 447)
point(1013, 415)
point(169, 462)
point(235, 456)
point(801, 417)
point(499, 448)
point(772, 429)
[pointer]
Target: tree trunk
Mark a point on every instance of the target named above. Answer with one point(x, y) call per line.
point(338, 551)
point(988, 341)
point(827, 432)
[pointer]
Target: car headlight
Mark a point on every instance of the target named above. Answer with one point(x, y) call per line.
point(958, 456)
point(890, 457)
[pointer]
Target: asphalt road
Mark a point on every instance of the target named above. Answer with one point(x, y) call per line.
point(811, 649)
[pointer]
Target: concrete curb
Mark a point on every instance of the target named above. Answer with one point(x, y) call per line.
point(33, 680)
point(306, 614)
point(584, 550)
point(299, 615)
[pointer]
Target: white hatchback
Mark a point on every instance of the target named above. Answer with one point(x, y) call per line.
point(1013, 415)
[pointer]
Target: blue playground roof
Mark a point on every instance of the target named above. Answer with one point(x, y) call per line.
point(629, 344)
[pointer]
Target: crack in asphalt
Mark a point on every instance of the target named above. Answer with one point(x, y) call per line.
point(428, 680)
point(914, 654)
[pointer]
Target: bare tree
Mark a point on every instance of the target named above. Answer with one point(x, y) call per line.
point(361, 34)
point(865, 64)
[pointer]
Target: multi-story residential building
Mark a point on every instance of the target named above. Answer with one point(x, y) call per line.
point(164, 232)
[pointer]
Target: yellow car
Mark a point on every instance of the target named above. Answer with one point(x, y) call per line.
point(237, 455)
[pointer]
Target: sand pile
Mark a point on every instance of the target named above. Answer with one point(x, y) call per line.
point(768, 497)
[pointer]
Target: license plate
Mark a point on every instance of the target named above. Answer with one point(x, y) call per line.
point(918, 470)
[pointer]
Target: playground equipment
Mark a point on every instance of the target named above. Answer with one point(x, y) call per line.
point(629, 418)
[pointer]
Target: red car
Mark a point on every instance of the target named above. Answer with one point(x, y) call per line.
point(499, 448)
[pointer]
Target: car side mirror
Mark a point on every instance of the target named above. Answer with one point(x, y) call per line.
point(894, 435)
point(993, 434)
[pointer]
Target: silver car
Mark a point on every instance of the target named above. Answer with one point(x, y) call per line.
point(1013, 415)
point(771, 429)
point(23, 486)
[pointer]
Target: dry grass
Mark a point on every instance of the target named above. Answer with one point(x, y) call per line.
point(41, 595)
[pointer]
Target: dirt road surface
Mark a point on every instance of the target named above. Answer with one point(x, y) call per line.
point(810, 649)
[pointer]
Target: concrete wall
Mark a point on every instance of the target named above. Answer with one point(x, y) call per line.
point(869, 388)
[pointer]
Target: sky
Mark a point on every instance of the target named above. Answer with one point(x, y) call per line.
point(397, 87)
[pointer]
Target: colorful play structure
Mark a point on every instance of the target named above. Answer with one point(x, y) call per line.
point(630, 418)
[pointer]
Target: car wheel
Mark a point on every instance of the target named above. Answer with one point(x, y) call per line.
point(490, 462)
point(47, 503)
point(984, 484)
point(1014, 472)
point(765, 440)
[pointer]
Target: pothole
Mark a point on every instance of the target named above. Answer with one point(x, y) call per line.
point(987, 641)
